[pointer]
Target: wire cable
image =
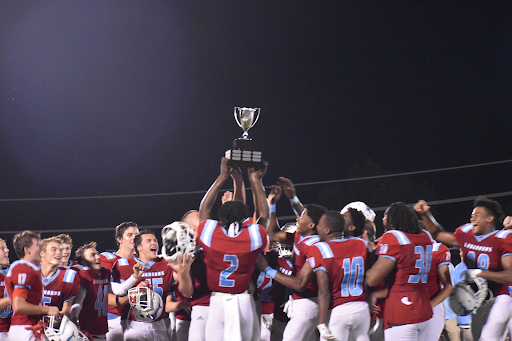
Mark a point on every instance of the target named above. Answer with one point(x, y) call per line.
point(296, 184)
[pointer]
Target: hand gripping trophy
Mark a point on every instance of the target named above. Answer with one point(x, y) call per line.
point(244, 153)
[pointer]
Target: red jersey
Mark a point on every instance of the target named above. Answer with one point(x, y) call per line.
point(301, 245)
point(61, 287)
point(24, 280)
point(264, 288)
point(201, 295)
point(344, 260)
point(5, 314)
point(281, 293)
point(108, 260)
point(408, 301)
point(93, 316)
point(230, 261)
point(159, 275)
point(485, 252)
point(440, 256)
point(122, 269)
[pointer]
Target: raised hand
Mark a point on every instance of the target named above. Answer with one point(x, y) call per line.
point(227, 196)
point(138, 270)
point(421, 207)
point(288, 187)
point(275, 194)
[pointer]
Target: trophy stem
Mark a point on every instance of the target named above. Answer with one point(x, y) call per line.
point(245, 135)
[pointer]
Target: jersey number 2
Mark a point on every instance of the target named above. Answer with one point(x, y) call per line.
point(224, 281)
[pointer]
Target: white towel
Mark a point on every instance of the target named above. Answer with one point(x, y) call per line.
point(231, 319)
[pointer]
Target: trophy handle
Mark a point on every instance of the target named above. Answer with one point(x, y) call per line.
point(257, 116)
point(236, 117)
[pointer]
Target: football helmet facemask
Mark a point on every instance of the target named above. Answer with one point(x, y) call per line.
point(467, 296)
point(147, 305)
point(62, 329)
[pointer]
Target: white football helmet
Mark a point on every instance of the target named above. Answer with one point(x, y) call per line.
point(61, 329)
point(285, 250)
point(467, 296)
point(178, 239)
point(369, 214)
point(147, 305)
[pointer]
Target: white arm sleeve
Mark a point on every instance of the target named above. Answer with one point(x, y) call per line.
point(120, 289)
point(77, 305)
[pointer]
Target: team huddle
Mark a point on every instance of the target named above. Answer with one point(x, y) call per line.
point(242, 277)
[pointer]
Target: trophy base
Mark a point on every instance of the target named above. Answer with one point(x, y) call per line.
point(244, 158)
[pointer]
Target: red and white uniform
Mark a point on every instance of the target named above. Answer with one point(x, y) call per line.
point(280, 294)
point(408, 302)
point(159, 275)
point(440, 256)
point(5, 314)
point(344, 260)
point(109, 261)
point(61, 287)
point(304, 318)
point(230, 262)
point(93, 315)
point(24, 280)
point(485, 252)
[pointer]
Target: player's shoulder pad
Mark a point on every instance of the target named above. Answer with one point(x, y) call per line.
point(69, 275)
point(399, 236)
point(109, 255)
point(503, 234)
point(466, 228)
point(324, 249)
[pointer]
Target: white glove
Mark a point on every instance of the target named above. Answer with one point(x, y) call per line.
point(471, 274)
point(266, 320)
point(325, 332)
point(288, 307)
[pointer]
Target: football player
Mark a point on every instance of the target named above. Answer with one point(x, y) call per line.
point(339, 264)
point(303, 305)
point(487, 252)
point(159, 277)
point(67, 246)
point(124, 235)
point(25, 287)
point(231, 246)
point(92, 300)
point(5, 304)
point(407, 249)
point(60, 283)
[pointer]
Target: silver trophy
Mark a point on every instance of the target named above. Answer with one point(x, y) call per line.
point(244, 153)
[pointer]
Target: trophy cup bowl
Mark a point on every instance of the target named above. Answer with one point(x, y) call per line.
point(244, 153)
point(246, 119)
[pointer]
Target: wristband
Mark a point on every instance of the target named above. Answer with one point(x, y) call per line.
point(294, 200)
point(272, 208)
point(270, 272)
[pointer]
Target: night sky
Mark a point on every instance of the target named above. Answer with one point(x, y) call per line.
point(104, 99)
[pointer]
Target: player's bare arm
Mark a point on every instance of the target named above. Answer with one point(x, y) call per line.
point(324, 295)
point(376, 274)
point(4, 302)
point(289, 191)
point(238, 185)
point(185, 285)
point(503, 277)
point(171, 306)
point(21, 306)
point(433, 227)
point(443, 274)
point(205, 208)
point(256, 179)
point(298, 283)
point(273, 230)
